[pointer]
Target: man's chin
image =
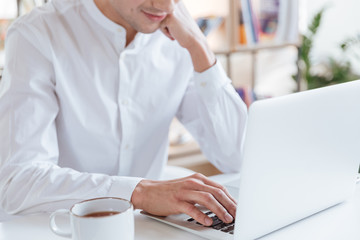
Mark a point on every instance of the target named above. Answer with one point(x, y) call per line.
point(148, 29)
point(148, 32)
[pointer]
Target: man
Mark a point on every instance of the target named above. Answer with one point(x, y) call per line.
point(88, 93)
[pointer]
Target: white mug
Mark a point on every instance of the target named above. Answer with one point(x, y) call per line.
point(97, 219)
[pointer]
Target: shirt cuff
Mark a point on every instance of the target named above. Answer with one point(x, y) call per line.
point(210, 81)
point(123, 187)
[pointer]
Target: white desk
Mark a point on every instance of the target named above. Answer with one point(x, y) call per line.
point(341, 222)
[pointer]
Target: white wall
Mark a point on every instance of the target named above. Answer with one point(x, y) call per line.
point(341, 20)
point(8, 9)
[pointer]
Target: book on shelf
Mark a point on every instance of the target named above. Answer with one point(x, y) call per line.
point(249, 20)
point(269, 21)
point(208, 24)
point(288, 23)
point(268, 12)
point(248, 95)
point(241, 29)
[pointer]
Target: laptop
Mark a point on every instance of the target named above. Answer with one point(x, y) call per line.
point(301, 156)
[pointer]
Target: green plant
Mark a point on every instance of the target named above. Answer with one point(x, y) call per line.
point(332, 71)
point(350, 45)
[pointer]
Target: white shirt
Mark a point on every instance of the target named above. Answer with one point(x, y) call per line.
point(83, 116)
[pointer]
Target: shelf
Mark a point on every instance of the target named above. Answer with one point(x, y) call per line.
point(182, 150)
point(189, 156)
point(225, 39)
point(257, 47)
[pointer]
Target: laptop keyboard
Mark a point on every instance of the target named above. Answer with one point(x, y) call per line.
point(218, 224)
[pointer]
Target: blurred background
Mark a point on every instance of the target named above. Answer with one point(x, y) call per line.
point(272, 78)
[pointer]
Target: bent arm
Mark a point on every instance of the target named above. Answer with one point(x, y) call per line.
point(216, 116)
point(211, 109)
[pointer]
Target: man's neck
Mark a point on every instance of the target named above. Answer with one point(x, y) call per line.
point(105, 7)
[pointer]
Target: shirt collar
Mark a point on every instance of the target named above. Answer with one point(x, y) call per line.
point(99, 17)
point(105, 22)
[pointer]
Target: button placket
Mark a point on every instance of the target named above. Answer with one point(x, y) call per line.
point(203, 84)
point(124, 104)
point(120, 39)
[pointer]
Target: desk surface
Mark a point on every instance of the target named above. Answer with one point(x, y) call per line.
point(336, 223)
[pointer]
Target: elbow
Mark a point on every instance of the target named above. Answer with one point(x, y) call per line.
point(11, 199)
point(231, 165)
point(7, 203)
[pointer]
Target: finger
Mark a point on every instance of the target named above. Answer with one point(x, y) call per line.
point(165, 28)
point(196, 214)
point(207, 181)
point(222, 198)
point(217, 192)
point(166, 31)
point(207, 200)
point(219, 186)
point(201, 183)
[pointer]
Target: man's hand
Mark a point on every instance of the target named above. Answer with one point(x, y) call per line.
point(180, 26)
point(164, 198)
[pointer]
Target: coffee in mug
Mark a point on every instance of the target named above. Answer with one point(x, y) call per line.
point(101, 214)
point(107, 218)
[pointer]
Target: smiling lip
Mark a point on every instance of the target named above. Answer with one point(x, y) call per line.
point(155, 18)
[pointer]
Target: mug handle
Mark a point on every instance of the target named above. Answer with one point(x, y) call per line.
point(53, 225)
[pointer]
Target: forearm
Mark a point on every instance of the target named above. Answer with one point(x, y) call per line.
point(40, 186)
point(201, 55)
point(180, 26)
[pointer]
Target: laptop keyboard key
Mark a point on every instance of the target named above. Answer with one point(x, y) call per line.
point(217, 223)
point(220, 226)
point(228, 229)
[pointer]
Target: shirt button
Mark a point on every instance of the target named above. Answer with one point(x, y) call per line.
point(125, 102)
point(127, 147)
point(119, 30)
point(203, 84)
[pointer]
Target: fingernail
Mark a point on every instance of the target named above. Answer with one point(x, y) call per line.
point(228, 218)
point(208, 221)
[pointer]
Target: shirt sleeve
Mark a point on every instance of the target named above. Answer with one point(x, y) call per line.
point(216, 116)
point(30, 178)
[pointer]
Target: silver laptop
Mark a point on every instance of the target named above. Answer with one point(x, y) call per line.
point(301, 156)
